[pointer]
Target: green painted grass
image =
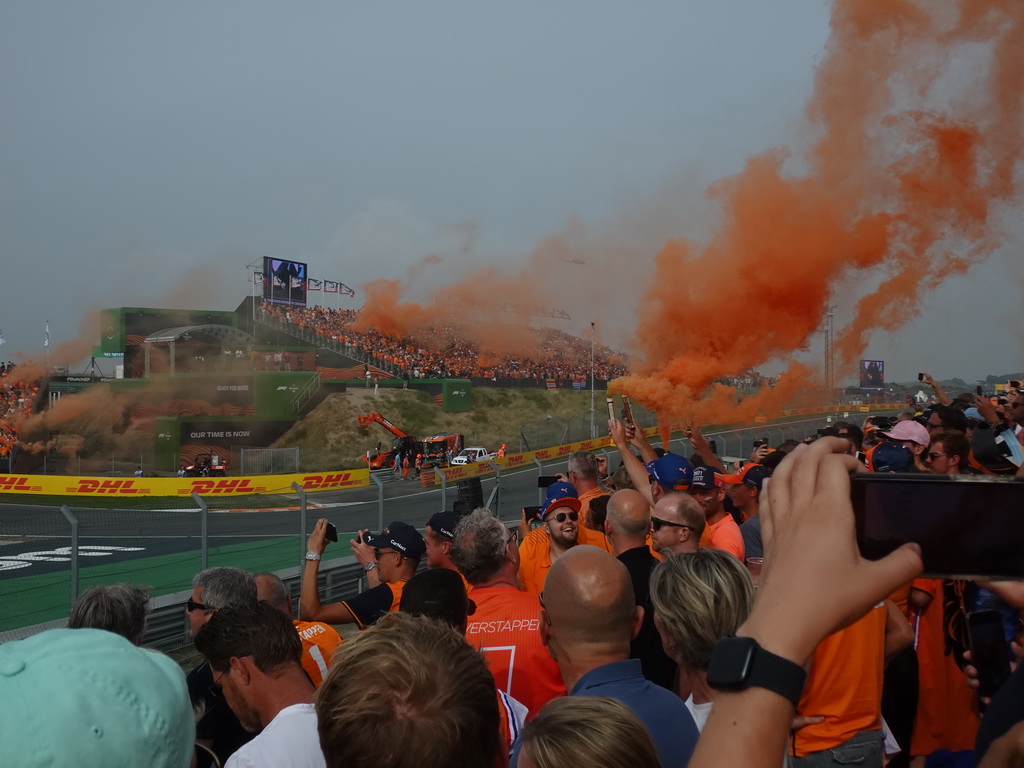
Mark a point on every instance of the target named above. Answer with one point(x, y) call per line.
point(33, 599)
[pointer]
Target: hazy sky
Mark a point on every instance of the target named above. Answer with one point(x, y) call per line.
point(150, 151)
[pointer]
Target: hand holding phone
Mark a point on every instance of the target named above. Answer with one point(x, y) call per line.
point(990, 653)
point(331, 534)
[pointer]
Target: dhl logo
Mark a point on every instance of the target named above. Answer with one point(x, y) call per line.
point(455, 474)
point(116, 487)
point(312, 482)
point(8, 483)
point(544, 454)
point(225, 486)
point(564, 450)
point(514, 460)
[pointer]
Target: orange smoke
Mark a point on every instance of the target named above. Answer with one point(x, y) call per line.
point(913, 140)
point(893, 187)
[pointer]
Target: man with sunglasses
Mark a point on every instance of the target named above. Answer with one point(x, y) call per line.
point(218, 728)
point(559, 517)
point(397, 551)
point(677, 524)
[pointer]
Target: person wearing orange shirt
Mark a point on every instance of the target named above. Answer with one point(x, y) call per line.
point(558, 532)
point(844, 688)
point(397, 551)
point(319, 640)
point(505, 625)
point(707, 487)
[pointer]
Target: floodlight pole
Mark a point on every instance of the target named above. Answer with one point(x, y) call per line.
point(593, 423)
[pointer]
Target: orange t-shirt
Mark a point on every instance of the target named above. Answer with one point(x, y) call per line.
point(506, 627)
point(844, 685)
point(947, 710)
point(724, 535)
point(534, 560)
point(319, 642)
point(585, 498)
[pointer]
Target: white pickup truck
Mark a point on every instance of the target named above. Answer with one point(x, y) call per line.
point(473, 455)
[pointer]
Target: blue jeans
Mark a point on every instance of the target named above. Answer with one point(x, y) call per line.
point(864, 749)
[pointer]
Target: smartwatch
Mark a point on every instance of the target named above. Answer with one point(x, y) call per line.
point(738, 663)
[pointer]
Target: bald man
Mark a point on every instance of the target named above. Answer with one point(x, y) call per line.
point(627, 524)
point(677, 524)
point(588, 618)
point(319, 640)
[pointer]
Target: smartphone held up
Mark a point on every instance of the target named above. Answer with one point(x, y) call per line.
point(968, 526)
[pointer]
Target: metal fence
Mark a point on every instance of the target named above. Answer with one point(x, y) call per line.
point(49, 555)
point(267, 461)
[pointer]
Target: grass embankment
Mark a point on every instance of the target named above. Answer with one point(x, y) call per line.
point(331, 438)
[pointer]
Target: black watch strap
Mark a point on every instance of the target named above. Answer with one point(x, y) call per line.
point(738, 663)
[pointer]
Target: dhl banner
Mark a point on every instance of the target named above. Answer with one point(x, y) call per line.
point(179, 486)
point(319, 481)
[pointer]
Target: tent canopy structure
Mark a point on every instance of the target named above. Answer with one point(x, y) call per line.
point(227, 335)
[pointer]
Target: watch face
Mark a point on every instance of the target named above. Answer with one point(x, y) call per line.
point(731, 662)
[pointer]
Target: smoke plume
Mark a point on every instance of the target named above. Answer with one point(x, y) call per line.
point(909, 155)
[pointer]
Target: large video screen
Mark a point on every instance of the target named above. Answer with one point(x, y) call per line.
point(872, 375)
point(284, 282)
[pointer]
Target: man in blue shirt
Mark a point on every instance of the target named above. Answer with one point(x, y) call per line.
point(588, 618)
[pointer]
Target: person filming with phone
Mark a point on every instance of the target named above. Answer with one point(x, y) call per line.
point(397, 551)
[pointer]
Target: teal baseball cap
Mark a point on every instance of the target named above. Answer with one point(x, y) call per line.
point(91, 699)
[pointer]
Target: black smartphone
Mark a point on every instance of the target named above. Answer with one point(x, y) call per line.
point(1014, 384)
point(532, 513)
point(762, 441)
point(862, 457)
point(545, 480)
point(627, 411)
point(713, 445)
point(920, 377)
point(611, 407)
point(979, 391)
point(332, 533)
point(990, 653)
point(967, 526)
point(514, 530)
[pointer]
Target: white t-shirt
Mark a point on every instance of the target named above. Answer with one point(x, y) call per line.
point(290, 740)
point(700, 712)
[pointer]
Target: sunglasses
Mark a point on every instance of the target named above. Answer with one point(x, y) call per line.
point(560, 517)
point(657, 523)
point(192, 605)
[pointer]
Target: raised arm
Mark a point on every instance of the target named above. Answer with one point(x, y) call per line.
point(703, 448)
point(939, 394)
point(634, 467)
point(810, 550)
point(310, 607)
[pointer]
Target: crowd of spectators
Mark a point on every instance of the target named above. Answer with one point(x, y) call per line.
point(18, 396)
point(445, 350)
point(671, 611)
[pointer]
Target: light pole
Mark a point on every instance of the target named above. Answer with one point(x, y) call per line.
point(593, 424)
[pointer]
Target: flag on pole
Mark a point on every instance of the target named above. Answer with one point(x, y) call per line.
point(46, 340)
point(330, 286)
point(342, 288)
point(313, 284)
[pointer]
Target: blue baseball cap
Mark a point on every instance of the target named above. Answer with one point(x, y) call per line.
point(671, 471)
point(560, 495)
